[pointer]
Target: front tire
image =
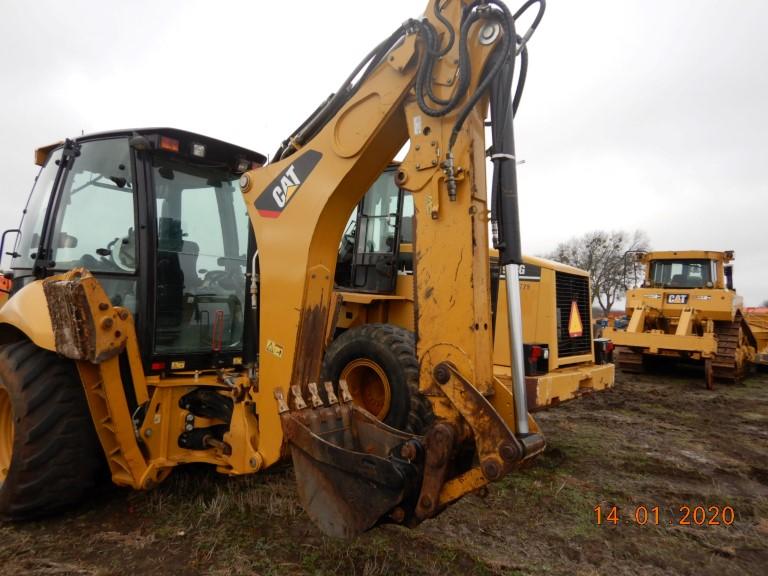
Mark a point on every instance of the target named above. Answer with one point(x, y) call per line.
point(379, 363)
point(49, 453)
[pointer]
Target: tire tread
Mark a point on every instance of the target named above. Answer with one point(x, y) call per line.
point(56, 455)
point(402, 343)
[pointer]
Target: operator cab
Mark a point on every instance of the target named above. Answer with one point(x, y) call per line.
point(157, 215)
point(682, 273)
point(688, 269)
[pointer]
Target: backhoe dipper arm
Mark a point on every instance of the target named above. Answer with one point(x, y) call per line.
point(428, 83)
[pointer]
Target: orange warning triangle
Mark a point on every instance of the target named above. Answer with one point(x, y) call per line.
point(575, 327)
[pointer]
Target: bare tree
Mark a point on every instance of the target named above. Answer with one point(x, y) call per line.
point(602, 253)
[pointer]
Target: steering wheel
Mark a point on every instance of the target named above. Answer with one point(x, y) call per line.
point(112, 257)
point(223, 280)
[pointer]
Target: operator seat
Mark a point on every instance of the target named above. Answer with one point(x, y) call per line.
point(677, 280)
point(188, 263)
point(169, 280)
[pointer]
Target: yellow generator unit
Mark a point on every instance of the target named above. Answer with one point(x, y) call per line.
point(562, 359)
point(687, 308)
point(374, 287)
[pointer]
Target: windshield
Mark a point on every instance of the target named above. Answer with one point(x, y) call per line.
point(681, 273)
point(32, 220)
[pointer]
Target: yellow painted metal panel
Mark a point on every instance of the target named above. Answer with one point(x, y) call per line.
point(28, 311)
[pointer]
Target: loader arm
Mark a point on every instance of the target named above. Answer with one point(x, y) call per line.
point(429, 83)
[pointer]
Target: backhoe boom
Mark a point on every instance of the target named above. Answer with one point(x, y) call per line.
point(431, 89)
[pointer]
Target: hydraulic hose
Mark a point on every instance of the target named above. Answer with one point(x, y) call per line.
point(493, 9)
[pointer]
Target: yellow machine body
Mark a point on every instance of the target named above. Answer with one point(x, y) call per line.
point(352, 471)
point(686, 309)
point(545, 319)
point(5, 289)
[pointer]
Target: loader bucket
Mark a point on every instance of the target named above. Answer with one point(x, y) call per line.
point(348, 465)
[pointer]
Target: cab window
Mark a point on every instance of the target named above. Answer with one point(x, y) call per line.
point(95, 222)
point(202, 231)
point(681, 273)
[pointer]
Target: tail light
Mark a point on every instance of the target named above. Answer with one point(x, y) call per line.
point(536, 359)
point(603, 351)
point(169, 144)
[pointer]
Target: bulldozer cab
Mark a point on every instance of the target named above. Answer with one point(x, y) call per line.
point(157, 216)
point(688, 269)
point(681, 273)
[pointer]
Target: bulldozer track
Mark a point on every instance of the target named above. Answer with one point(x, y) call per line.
point(729, 362)
point(629, 360)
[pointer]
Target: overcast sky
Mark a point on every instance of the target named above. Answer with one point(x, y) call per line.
point(638, 114)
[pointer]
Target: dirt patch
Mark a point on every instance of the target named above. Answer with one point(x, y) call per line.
point(656, 443)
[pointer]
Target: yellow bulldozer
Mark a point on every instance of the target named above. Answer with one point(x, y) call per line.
point(374, 287)
point(153, 322)
point(687, 308)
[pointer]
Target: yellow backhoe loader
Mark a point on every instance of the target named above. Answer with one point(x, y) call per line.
point(686, 308)
point(374, 287)
point(152, 323)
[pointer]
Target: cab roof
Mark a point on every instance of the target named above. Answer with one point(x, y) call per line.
point(152, 135)
point(725, 256)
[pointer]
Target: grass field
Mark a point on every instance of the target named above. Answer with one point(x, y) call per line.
point(656, 441)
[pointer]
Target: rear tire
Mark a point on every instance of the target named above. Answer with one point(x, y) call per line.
point(55, 455)
point(380, 365)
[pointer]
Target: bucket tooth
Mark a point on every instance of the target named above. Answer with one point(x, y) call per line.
point(314, 397)
point(298, 399)
point(282, 406)
point(332, 399)
point(346, 397)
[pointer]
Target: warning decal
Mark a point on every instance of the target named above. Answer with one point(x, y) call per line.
point(575, 327)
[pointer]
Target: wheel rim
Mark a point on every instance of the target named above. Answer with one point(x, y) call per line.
point(369, 386)
point(6, 434)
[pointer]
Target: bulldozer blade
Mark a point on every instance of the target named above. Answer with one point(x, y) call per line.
point(349, 473)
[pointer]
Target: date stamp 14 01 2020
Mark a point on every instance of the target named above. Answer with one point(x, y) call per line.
point(682, 515)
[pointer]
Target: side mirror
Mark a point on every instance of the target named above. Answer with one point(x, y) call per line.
point(2, 244)
point(66, 241)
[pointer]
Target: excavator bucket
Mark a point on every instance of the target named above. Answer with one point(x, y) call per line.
point(352, 471)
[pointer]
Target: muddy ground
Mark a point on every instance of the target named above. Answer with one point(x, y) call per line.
point(656, 440)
